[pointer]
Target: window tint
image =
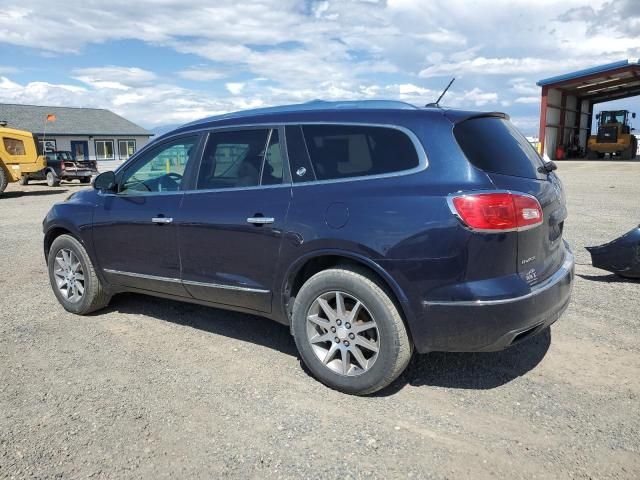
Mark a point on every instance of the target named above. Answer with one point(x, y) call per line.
point(272, 171)
point(495, 145)
point(343, 151)
point(14, 146)
point(235, 159)
point(161, 170)
point(301, 169)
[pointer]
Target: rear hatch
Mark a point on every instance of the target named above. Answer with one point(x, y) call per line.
point(492, 144)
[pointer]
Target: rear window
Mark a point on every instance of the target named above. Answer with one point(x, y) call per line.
point(343, 151)
point(495, 145)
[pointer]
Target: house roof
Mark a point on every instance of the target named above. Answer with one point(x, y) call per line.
point(69, 121)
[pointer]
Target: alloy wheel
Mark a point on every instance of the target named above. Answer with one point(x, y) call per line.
point(343, 334)
point(69, 275)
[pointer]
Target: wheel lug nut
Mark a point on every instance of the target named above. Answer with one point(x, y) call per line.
point(337, 340)
point(346, 343)
point(352, 336)
point(333, 329)
point(338, 322)
point(348, 325)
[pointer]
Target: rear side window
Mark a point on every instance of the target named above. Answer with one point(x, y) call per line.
point(236, 158)
point(495, 145)
point(343, 151)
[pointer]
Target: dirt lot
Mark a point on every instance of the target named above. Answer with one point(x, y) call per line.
point(152, 388)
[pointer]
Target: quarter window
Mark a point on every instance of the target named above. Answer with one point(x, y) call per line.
point(126, 148)
point(14, 146)
point(237, 159)
point(343, 151)
point(161, 170)
point(104, 150)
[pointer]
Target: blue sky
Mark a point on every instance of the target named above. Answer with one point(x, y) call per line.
point(166, 62)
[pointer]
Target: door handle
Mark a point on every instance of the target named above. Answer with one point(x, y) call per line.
point(162, 220)
point(261, 220)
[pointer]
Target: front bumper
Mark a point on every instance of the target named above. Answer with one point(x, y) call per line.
point(489, 325)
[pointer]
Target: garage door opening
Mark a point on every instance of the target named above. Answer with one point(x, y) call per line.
point(571, 110)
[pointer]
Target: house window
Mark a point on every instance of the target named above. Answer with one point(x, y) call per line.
point(47, 146)
point(126, 148)
point(104, 150)
point(14, 146)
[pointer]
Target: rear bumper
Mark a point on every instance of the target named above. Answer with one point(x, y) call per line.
point(488, 325)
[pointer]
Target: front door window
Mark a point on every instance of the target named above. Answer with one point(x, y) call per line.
point(161, 170)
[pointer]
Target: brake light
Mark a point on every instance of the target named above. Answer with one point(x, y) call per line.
point(62, 166)
point(497, 212)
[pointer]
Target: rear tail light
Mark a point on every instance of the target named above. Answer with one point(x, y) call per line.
point(62, 166)
point(497, 211)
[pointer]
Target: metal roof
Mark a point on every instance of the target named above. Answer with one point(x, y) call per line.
point(314, 105)
point(69, 121)
point(587, 71)
point(602, 83)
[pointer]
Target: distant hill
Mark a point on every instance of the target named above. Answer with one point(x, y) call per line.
point(161, 130)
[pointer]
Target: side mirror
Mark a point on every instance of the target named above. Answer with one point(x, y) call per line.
point(105, 182)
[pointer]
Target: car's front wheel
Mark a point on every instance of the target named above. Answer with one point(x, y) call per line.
point(349, 332)
point(73, 277)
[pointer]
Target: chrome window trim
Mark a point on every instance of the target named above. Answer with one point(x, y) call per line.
point(423, 160)
point(559, 275)
point(461, 193)
point(186, 282)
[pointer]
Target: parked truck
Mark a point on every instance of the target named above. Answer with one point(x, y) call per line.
point(613, 136)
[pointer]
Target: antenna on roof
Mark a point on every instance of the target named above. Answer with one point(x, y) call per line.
point(437, 102)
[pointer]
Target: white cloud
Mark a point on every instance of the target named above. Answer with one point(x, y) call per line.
point(114, 78)
point(235, 87)
point(201, 74)
point(527, 100)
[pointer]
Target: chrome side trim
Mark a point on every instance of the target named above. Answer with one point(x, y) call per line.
point(562, 272)
point(452, 207)
point(186, 282)
point(142, 275)
point(225, 287)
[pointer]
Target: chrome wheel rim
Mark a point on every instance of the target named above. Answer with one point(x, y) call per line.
point(342, 333)
point(69, 275)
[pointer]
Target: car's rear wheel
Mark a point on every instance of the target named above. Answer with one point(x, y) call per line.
point(73, 277)
point(85, 180)
point(52, 179)
point(349, 332)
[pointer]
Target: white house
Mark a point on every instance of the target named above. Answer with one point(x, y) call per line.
point(89, 133)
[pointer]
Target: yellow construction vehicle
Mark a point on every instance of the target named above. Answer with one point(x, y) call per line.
point(19, 155)
point(614, 136)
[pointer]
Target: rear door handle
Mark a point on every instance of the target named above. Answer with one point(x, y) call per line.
point(162, 220)
point(261, 220)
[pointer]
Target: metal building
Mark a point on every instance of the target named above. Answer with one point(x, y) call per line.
point(566, 106)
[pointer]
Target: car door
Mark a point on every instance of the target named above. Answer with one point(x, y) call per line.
point(231, 225)
point(134, 231)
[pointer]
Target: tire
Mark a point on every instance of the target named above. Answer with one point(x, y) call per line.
point(85, 180)
point(389, 334)
point(52, 179)
point(591, 155)
point(4, 180)
point(24, 180)
point(94, 295)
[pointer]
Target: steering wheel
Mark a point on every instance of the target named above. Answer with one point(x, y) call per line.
point(176, 177)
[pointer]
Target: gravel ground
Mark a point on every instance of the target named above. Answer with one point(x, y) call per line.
point(155, 389)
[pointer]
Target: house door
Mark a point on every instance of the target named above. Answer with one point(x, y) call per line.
point(80, 150)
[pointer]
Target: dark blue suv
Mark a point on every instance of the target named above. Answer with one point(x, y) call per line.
point(371, 228)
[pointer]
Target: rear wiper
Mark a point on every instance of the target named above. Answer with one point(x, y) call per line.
point(548, 167)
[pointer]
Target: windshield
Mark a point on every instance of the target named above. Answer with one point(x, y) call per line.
point(613, 117)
